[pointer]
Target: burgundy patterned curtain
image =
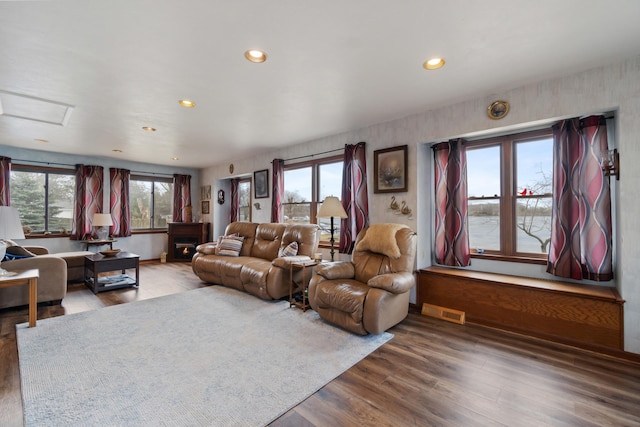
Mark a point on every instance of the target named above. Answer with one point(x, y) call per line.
point(5, 180)
point(278, 191)
point(119, 202)
point(581, 231)
point(235, 200)
point(451, 232)
point(182, 198)
point(88, 200)
point(355, 199)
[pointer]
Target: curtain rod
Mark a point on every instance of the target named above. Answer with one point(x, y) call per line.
point(43, 163)
point(168, 175)
point(73, 166)
point(316, 154)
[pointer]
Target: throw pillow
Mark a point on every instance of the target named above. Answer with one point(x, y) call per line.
point(218, 243)
point(230, 246)
point(381, 238)
point(290, 250)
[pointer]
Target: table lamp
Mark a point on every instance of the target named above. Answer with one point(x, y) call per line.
point(332, 208)
point(102, 222)
point(10, 228)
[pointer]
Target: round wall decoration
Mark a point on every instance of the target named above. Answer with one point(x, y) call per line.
point(498, 110)
point(231, 168)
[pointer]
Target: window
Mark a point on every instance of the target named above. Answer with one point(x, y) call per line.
point(509, 185)
point(44, 198)
point(305, 187)
point(244, 200)
point(150, 201)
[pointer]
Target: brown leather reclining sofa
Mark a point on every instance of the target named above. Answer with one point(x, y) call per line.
point(258, 269)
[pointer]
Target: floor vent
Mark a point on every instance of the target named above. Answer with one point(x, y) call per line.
point(448, 314)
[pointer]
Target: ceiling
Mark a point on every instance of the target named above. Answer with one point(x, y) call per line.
point(106, 69)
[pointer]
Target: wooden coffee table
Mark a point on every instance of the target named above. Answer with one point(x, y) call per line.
point(98, 263)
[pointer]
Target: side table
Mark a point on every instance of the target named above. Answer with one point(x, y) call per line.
point(304, 304)
point(26, 277)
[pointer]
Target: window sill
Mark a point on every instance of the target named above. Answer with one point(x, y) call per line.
point(150, 231)
point(46, 235)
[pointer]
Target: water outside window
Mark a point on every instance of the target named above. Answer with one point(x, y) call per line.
point(534, 168)
point(297, 195)
point(330, 185)
point(483, 187)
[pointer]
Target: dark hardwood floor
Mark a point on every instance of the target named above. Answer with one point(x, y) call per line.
point(432, 373)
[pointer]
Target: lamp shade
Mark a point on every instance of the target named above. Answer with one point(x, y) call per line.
point(10, 226)
point(331, 207)
point(102, 220)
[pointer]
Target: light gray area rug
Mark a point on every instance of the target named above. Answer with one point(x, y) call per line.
point(206, 357)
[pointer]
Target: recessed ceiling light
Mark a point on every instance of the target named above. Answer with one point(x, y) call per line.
point(187, 103)
point(148, 128)
point(256, 56)
point(41, 140)
point(117, 151)
point(433, 63)
point(175, 158)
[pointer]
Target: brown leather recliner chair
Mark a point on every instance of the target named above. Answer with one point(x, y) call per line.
point(370, 294)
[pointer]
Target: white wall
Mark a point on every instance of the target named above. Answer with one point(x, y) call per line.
point(612, 88)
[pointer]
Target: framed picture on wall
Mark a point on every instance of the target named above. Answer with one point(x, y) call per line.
point(205, 207)
point(261, 184)
point(390, 170)
point(205, 192)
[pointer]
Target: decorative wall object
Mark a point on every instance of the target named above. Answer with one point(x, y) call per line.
point(205, 207)
point(221, 197)
point(390, 170)
point(261, 184)
point(205, 192)
point(498, 110)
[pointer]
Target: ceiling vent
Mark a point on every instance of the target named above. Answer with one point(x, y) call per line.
point(37, 109)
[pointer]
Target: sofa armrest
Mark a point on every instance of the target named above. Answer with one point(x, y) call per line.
point(286, 261)
point(52, 282)
point(207, 248)
point(38, 250)
point(396, 283)
point(336, 270)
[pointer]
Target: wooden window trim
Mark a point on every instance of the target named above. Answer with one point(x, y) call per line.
point(18, 167)
point(315, 185)
point(508, 197)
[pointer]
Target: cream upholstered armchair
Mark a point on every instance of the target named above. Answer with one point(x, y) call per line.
point(370, 294)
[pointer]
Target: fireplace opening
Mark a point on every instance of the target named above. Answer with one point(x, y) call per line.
point(184, 247)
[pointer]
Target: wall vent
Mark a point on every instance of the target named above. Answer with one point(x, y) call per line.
point(448, 314)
